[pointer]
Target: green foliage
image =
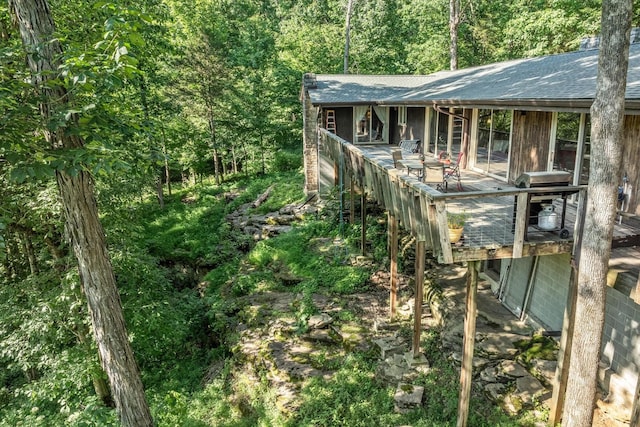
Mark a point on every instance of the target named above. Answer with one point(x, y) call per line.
point(296, 251)
point(456, 220)
point(287, 161)
point(538, 347)
point(351, 397)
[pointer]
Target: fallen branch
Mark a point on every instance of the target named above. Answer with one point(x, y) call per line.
point(264, 196)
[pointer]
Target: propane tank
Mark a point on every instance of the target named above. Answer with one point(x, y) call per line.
point(547, 218)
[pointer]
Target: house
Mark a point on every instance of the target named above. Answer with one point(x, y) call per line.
point(503, 121)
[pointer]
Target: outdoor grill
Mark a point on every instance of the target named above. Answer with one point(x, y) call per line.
point(538, 214)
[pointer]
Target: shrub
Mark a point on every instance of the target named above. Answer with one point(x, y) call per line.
point(285, 161)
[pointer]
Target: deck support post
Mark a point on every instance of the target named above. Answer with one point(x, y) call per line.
point(418, 295)
point(564, 351)
point(466, 374)
point(568, 324)
point(363, 219)
point(635, 411)
point(392, 222)
point(352, 200)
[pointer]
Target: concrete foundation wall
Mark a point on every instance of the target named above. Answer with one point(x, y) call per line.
point(621, 335)
point(549, 291)
point(516, 283)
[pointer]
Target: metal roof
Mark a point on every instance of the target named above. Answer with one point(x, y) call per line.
point(565, 80)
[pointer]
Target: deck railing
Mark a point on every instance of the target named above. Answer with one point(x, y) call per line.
point(497, 222)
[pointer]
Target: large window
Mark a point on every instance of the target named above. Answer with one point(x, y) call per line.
point(566, 143)
point(586, 151)
point(492, 150)
point(572, 146)
point(445, 131)
point(370, 123)
point(439, 123)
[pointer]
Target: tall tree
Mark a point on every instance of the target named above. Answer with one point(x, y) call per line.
point(347, 36)
point(607, 116)
point(454, 22)
point(44, 53)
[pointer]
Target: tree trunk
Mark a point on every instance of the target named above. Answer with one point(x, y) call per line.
point(28, 249)
point(159, 188)
point(212, 131)
point(454, 21)
point(81, 213)
point(234, 160)
point(347, 36)
point(263, 160)
point(167, 170)
point(607, 116)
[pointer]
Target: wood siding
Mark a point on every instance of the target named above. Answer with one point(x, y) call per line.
point(414, 128)
point(530, 143)
point(631, 160)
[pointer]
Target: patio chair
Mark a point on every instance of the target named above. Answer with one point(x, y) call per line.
point(451, 170)
point(397, 156)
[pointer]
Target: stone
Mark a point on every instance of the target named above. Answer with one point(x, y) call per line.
point(389, 346)
point(396, 359)
point(479, 362)
point(499, 345)
point(408, 397)
point(392, 372)
point(415, 360)
point(494, 391)
point(321, 335)
point(546, 369)
point(297, 370)
point(512, 369)
point(488, 375)
point(319, 321)
point(511, 405)
point(422, 369)
point(527, 389)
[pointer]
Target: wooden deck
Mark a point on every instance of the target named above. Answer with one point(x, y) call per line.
point(497, 225)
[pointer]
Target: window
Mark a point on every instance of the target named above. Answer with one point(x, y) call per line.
point(402, 116)
point(439, 130)
point(370, 124)
point(572, 147)
point(586, 151)
point(566, 143)
point(494, 134)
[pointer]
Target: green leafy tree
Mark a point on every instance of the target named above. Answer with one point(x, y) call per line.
point(80, 210)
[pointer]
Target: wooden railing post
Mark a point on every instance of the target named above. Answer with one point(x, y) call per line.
point(521, 224)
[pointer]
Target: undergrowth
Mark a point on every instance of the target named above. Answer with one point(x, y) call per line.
point(184, 275)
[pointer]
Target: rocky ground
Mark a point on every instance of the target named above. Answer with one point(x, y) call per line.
point(269, 325)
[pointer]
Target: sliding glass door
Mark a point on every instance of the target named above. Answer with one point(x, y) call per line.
point(371, 124)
